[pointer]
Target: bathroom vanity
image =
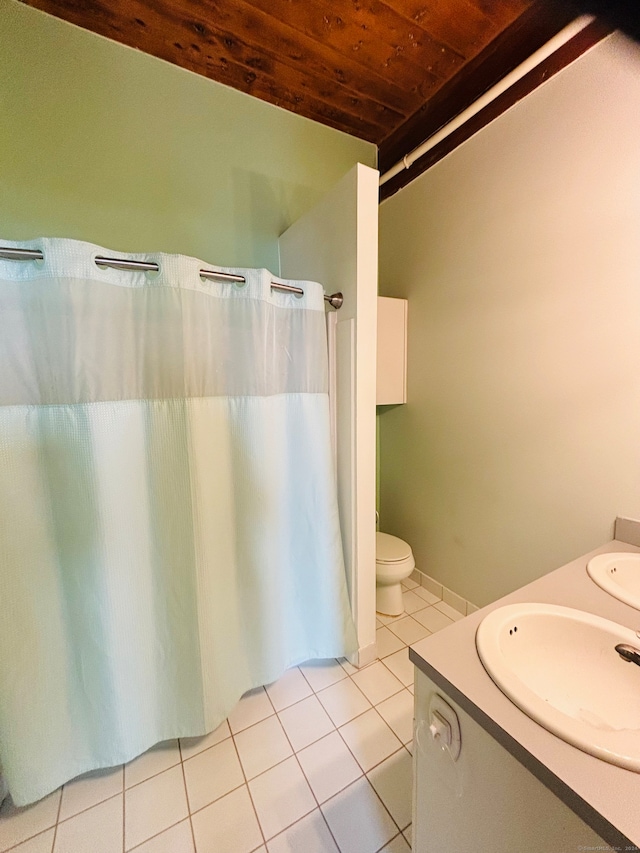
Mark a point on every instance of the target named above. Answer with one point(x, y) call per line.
point(514, 786)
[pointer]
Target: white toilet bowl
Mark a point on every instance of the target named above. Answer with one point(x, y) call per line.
point(394, 563)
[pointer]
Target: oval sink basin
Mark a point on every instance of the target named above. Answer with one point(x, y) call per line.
point(619, 575)
point(560, 666)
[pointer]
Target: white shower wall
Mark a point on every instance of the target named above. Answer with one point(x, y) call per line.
point(336, 243)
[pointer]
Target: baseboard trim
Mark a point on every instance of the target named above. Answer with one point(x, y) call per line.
point(443, 593)
point(364, 656)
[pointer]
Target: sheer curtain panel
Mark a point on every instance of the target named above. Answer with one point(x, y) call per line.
point(169, 532)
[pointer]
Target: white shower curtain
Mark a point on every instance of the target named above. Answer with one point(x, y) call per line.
point(168, 523)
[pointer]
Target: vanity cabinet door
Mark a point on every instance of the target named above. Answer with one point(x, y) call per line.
point(486, 801)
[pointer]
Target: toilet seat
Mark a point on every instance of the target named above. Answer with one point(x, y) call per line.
point(390, 549)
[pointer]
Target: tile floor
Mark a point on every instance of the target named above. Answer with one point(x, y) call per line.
point(318, 762)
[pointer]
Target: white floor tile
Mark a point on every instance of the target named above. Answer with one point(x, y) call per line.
point(398, 845)
point(178, 839)
point(411, 601)
point(42, 843)
point(322, 673)
point(160, 757)
point(305, 722)
point(190, 746)
point(432, 619)
point(376, 682)
point(370, 739)
point(379, 624)
point(393, 782)
point(262, 746)
point(18, 824)
point(408, 629)
point(288, 689)
point(98, 829)
point(387, 642)
point(253, 707)
point(449, 611)
point(343, 701)
point(154, 805)
point(281, 796)
point(358, 820)
point(401, 666)
point(427, 596)
point(329, 766)
point(309, 835)
point(90, 789)
point(397, 712)
point(407, 835)
point(409, 583)
point(212, 774)
point(227, 826)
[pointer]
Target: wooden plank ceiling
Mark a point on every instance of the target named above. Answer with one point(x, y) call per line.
point(387, 71)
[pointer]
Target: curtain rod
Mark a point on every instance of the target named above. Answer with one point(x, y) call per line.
point(10, 254)
point(554, 44)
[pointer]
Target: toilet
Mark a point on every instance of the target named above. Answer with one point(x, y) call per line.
point(394, 563)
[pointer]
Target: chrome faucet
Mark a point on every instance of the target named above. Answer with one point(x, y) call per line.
point(628, 653)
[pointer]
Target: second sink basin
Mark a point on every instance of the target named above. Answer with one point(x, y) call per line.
point(618, 574)
point(560, 666)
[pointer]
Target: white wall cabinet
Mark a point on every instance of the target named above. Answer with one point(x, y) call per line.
point(391, 377)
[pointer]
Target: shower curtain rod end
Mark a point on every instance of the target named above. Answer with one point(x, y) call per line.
point(335, 300)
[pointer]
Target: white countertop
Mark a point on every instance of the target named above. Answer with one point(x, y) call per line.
point(605, 796)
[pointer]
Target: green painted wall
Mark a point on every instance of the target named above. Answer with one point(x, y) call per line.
point(102, 143)
point(520, 258)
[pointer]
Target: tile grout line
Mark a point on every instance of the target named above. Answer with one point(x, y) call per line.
point(313, 794)
point(395, 692)
point(244, 775)
point(30, 838)
point(124, 812)
point(186, 795)
point(405, 686)
point(399, 835)
point(155, 835)
point(375, 708)
point(55, 828)
point(253, 805)
point(393, 820)
point(153, 775)
point(93, 806)
point(221, 797)
point(295, 754)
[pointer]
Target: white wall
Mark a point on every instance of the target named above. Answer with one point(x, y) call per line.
point(520, 256)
